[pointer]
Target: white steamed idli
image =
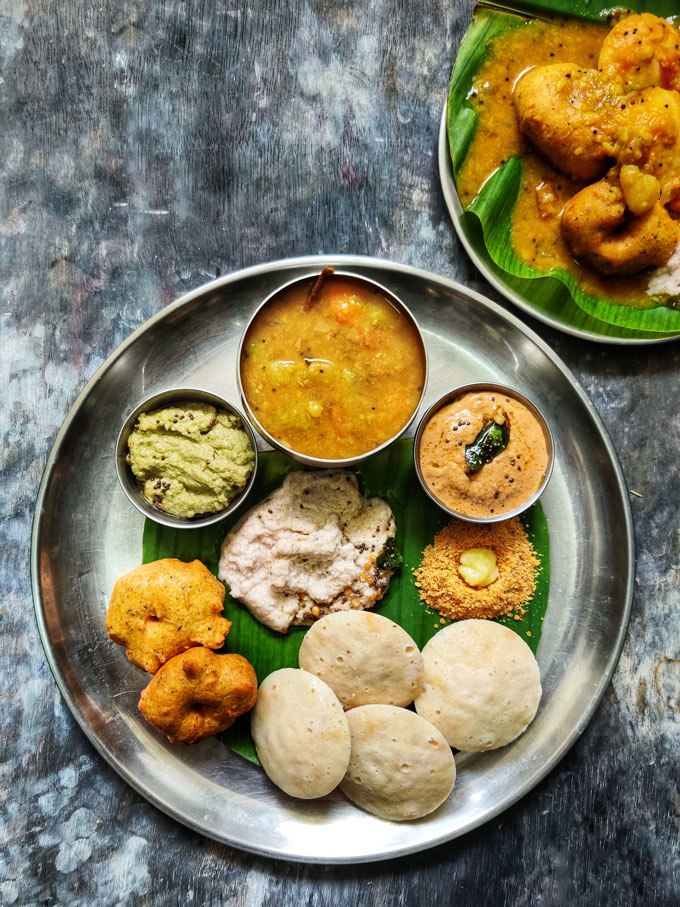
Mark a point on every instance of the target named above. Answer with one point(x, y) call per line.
point(300, 733)
point(364, 658)
point(482, 684)
point(401, 767)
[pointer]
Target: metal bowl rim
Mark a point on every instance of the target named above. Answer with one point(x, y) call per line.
point(179, 394)
point(319, 462)
point(450, 397)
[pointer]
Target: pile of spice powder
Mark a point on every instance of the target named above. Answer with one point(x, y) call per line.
point(442, 587)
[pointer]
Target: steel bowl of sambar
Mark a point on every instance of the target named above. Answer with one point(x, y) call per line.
point(332, 368)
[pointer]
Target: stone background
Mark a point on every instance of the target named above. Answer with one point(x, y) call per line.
point(146, 147)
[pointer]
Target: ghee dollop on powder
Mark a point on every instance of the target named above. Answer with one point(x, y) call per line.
point(442, 587)
point(191, 458)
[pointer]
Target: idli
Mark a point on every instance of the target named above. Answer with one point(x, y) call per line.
point(300, 733)
point(401, 767)
point(482, 684)
point(364, 658)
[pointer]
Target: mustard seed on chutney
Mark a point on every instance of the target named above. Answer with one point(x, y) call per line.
point(332, 368)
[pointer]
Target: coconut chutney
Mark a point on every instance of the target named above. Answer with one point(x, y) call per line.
point(190, 458)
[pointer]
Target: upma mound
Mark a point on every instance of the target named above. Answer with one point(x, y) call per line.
point(441, 587)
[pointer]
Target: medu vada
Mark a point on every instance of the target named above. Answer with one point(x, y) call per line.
point(165, 607)
point(198, 693)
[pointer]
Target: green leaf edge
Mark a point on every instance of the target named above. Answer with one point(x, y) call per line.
point(494, 206)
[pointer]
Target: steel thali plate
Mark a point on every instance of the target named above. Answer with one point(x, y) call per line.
point(86, 534)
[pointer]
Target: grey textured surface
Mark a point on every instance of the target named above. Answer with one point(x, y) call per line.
point(146, 147)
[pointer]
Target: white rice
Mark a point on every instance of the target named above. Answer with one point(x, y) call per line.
point(665, 281)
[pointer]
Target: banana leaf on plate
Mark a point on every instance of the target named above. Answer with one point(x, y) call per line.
point(389, 475)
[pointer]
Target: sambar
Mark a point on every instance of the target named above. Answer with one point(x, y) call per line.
point(332, 368)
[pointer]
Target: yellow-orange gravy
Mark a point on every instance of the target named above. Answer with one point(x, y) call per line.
point(501, 485)
point(536, 236)
point(336, 377)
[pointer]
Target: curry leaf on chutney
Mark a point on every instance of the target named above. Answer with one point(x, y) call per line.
point(491, 440)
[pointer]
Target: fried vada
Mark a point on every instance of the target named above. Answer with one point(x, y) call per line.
point(163, 608)
point(198, 693)
point(642, 50)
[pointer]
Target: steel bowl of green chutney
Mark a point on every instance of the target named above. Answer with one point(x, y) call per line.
point(186, 457)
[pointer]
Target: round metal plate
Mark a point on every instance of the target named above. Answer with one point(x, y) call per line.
point(86, 534)
point(507, 284)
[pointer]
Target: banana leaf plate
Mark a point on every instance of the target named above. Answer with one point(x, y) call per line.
point(484, 228)
point(86, 534)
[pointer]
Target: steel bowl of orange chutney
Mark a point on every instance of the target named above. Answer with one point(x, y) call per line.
point(332, 368)
point(483, 452)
